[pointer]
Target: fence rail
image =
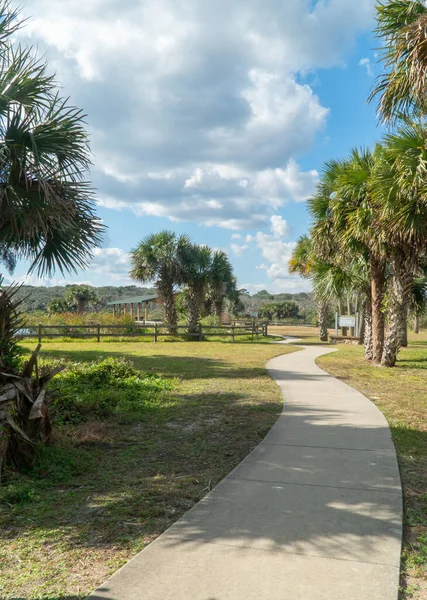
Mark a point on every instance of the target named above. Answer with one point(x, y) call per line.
point(155, 331)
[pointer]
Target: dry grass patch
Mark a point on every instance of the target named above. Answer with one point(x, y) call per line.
point(108, 488)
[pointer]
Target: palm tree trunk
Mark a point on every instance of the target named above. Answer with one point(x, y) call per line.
point(367, 334)
point(218, 304)
point(322, 308)
point(377, 295)
point(417, 323)
point(400, 291)
point(81, 305)
point(193, 304)
point(168, 298)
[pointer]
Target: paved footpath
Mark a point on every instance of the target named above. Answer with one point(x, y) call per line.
point(313, 513)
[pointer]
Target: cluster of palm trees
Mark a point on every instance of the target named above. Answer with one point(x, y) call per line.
point(204, 276)
point(368, 240)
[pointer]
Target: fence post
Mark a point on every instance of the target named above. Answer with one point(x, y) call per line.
point(253, 329)
point(200, 332)
point(98, 332)
point(155, 332)
point(232, 333)
point(257, 331)
point(40, 333)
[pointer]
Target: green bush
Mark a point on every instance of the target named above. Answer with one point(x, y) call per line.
point(103, 388)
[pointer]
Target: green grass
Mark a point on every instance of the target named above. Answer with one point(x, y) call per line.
point(110, 486)
point(401, 394)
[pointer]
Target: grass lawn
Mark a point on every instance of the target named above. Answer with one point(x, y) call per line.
point(401, 394)
point(108, 488)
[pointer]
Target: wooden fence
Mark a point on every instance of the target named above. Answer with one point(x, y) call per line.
point(98, 331)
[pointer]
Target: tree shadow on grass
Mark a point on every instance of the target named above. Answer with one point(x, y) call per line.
point(340, 500)
point(184, 367)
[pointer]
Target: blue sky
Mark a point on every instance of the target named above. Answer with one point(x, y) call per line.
point(211, 119)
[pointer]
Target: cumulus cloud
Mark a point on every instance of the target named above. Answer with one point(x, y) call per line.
point(197, 110)
point(239, 250)
point(276, 252)
point(109, 266)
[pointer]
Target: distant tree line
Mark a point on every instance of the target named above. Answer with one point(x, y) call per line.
point(279, 311)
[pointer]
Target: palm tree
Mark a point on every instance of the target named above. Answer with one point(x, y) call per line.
point(234, 304)
point(305, 263)
point(355, 229)
point(47, 210)
point(81, 296)
point(158, 258)
point(399, 188)
point(402, 88)
point(196, 264)
point(347, 281)
point(220, 281)
point(47, 216)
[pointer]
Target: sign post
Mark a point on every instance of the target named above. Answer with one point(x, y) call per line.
point(347, 321)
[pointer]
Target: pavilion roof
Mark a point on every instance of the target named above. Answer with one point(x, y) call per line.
point(133, 300)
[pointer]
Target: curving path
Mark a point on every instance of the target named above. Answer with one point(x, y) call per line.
point(313, 513)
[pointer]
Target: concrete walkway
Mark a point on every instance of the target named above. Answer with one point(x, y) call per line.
point(313, 513)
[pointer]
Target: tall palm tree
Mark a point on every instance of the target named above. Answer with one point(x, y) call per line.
point(356, 230)
point(47, 209)
point(400, 192)
point(402, 88)
point(220, 281)
point(305, 263)
point(158, 258)
point(196, 264)
point(47, 216)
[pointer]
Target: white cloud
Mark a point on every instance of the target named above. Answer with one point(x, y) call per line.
point(366, 62)
point(279, 226)
point(239, 250)
point(197, 110)
point(111, 264)
point(236, 236)
point(276, 251)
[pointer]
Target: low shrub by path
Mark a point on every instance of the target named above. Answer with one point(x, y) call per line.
point(121, 472)
point(401, 394)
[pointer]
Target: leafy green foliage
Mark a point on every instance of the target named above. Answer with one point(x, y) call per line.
point(102, 388)
point(401, 88)
point(47, 209)
point(279, 310)
point(78, 298)
point(11, 321)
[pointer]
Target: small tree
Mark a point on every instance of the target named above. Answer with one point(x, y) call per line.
point(305, 263)
point(196, 263)
point(158, 259)
point(80, 296)
point(221, 282)
point(59, 305)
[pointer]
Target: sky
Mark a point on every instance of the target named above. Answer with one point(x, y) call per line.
point(210, 118)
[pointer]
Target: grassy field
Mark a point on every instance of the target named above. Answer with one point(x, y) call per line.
point(109, 487)
point(401, 394)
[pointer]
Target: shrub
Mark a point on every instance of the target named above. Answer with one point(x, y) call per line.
point(102, 388)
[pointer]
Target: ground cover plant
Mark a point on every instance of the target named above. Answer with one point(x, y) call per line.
point(122, 469)
point(401, 394)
